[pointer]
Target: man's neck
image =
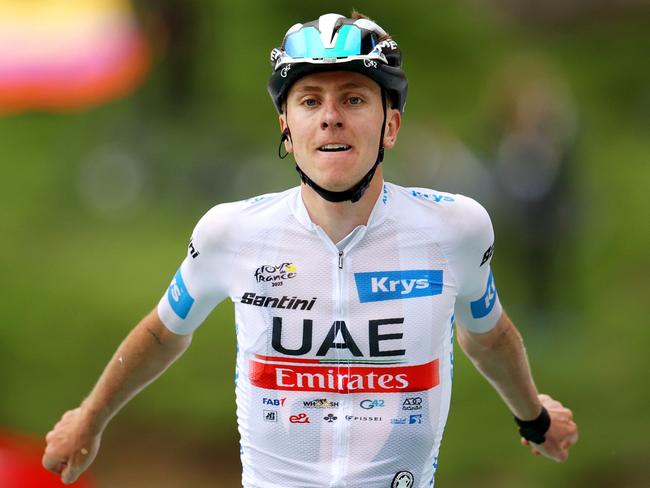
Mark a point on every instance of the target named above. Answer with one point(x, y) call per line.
point(341, 218)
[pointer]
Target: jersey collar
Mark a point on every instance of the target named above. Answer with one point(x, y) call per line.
point(377, 216)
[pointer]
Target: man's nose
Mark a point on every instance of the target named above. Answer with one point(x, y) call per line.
point(332, 116)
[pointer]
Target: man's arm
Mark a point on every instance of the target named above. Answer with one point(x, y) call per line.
point(145, 353)
point(500, 356)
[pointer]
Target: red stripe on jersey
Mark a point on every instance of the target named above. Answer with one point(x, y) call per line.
point(344, 379)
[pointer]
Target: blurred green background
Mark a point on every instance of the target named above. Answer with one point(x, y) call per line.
point(97, 208)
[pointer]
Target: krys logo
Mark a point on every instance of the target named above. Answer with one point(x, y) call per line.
point(378, 286)
point(279, 273)
point(179, 298)
point(484, 305)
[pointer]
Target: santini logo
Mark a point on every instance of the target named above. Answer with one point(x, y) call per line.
point(395, 285)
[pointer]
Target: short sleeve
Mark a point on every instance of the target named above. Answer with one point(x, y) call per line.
point(202, 280)
point(477, 304)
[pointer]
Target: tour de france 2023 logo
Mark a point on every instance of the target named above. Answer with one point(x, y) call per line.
point(275, 274)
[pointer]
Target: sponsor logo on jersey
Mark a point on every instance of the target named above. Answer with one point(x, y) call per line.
point(483, 306)
point(284, 302)
point(270, 415)
point(487, 255)
point(330, 418)
point(356, 418)
point(275, 273)
point(381, 336)
point(192, 250)
point(276, 402)
point(378, 286)
point(433, 197)
point(403, 479)
point(410, 420)
point(179, 298)
point(301, 418)
point(370, 404)
point(415, 419)
point(293, 374)
point(320, 403)
point(258, 199)
point(414, 403)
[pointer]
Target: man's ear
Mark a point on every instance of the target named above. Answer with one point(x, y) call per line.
point(393, 124)
point(284, 128)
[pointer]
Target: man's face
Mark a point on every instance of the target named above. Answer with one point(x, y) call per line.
point(335, 121)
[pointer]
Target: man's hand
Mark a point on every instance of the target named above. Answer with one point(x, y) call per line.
point(561, 435)
point(71, 446)
point(145, 353)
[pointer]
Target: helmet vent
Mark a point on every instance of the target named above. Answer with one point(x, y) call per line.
point(328, 26)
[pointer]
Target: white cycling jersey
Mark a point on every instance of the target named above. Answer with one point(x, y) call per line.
point(345, 351)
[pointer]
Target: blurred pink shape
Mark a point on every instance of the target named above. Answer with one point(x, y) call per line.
point(68, 55)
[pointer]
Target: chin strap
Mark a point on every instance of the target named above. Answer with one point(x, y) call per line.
point(355, 192)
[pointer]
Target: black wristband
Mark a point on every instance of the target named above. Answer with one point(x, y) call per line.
point(535, 430)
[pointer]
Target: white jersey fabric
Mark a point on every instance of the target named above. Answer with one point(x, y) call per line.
point(345, 352)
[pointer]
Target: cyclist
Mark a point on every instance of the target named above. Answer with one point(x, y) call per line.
point(346, 292)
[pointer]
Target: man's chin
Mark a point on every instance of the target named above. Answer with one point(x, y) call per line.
point(336, 184)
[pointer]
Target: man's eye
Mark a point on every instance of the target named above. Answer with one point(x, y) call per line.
point(355, 100)
point(309, 102)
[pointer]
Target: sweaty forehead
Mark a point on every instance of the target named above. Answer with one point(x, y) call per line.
point(335, 80)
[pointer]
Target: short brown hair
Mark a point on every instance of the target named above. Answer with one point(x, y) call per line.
point(356, 15)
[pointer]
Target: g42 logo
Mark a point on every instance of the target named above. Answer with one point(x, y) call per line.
point(370, 404)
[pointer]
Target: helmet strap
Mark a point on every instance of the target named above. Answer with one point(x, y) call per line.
point(285, 135)
point(355, 192)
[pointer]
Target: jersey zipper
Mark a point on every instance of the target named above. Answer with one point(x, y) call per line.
point(342, 437)
point(339, 285)
point(341, 444)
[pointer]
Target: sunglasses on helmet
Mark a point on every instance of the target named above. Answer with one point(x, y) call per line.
point(349, 42)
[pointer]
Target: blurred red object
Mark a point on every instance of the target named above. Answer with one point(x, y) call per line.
point(20, 464)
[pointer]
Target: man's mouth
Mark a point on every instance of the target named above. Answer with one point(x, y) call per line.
point(334, 148)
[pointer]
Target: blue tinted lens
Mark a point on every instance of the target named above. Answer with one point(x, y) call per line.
point(347, 44)
point(306, 43)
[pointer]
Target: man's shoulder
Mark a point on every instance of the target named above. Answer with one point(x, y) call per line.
point(235, 220)
point(267, 203)
point(454, 221)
